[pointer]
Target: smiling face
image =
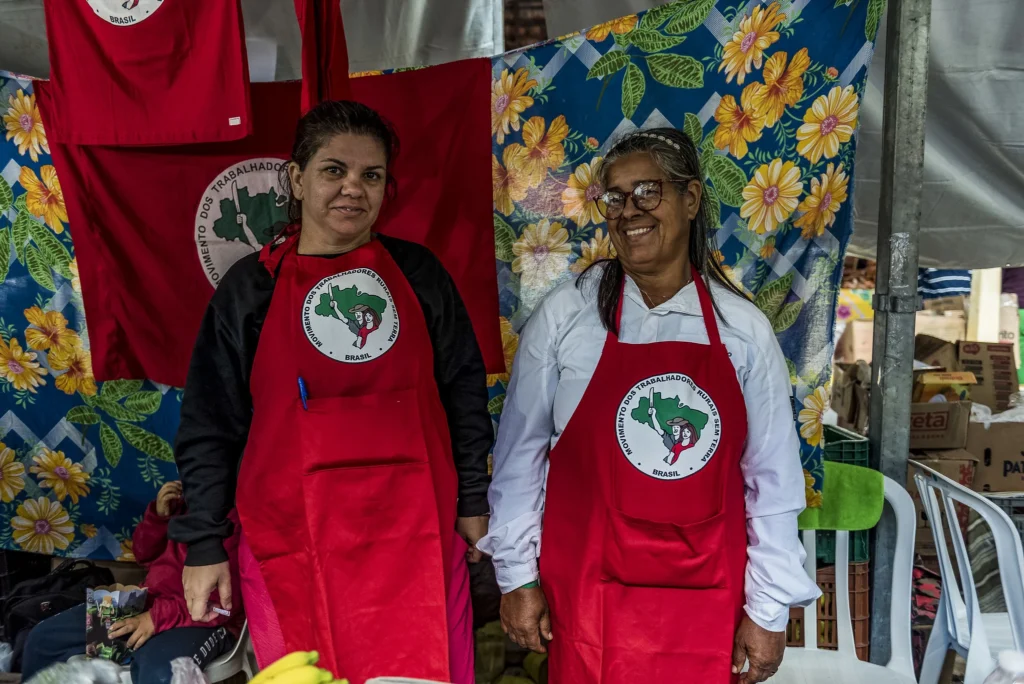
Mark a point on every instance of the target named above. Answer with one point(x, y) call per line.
point(650, 242)
point(341, 188)
point(359, 318)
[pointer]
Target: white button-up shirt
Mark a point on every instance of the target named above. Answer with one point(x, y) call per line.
point(558, 352)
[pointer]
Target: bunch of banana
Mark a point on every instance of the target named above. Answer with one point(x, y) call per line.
point(297, 668)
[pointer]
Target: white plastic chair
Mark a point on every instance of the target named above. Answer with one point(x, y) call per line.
point(959, 623)
point(811, 665)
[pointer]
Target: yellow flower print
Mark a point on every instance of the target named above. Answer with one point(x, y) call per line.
point(50, 331)
point(738, 125)
point(782, 86)
point(580, 199)
point(43, 196)
point(12, 474)
point(596, 249)
point(42, 526)
point(508, 183)
point(509, 342)
point(543, 149)
point(363, 74)
point(822, 202)
point(127, 551)
point(621, 25)
point(25, 126)
point(508, 101)
point(771, 196)
point(768, 248)
point(812, 415)
point(813, 496)
point(77, 366)
point(746, 49)
point(20, 367)
point(88, 531)
point(828, 123)
point(76, 282)
point(56, 471)
point(541, 254)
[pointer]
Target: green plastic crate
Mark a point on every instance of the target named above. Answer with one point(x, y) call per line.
point(843, 446)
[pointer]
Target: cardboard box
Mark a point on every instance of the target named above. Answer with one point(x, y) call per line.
point(851, 384)
point(1000, 453)
point(958, 465)
point(950, 325)
point(858, 336)
point(935, 386)
point(934, 351)
point(996, 370)
point(855, 343)
point(944, 304)
point(940, 425)
point(1009, 324)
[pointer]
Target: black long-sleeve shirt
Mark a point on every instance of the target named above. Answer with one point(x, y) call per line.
point(216, 408)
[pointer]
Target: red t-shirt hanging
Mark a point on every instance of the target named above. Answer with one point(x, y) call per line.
point(156, 228)
point(147, 72)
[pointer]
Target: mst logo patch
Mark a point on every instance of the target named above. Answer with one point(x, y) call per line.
point(125, 12)
point(351, 316)
point(668, 427)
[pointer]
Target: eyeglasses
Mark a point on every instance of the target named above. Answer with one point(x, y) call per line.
point(646, 196)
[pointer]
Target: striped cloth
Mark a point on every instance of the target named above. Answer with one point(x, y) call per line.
point(934, 283)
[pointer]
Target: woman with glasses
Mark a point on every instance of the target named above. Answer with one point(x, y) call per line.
point(649, 569)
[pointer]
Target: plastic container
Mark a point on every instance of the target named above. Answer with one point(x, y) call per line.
point(843, 446)
point(1010, 669)
point(828, 625)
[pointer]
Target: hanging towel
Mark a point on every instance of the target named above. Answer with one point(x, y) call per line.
point(851, 499)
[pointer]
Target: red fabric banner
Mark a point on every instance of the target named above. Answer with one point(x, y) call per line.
point(324, 52)
point(157, 228)
point(147, 72)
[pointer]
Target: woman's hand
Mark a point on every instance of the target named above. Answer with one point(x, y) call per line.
point(139, 627)
point(167, 497)
point(199, 582)
point(762, 648)
point(526, 619)
point(472, 530)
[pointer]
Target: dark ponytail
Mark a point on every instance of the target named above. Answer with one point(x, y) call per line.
point(677, 156)
point(331, 118)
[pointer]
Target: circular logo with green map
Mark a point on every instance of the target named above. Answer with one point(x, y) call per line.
point(125, 12)
point(242, 210)
point(668, 427)
point(351, 316)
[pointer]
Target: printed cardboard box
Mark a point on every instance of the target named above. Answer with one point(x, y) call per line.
point(995, 369)
point(1000, 453)
point(941, 425)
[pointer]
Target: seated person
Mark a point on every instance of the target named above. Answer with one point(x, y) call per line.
point(165, 631)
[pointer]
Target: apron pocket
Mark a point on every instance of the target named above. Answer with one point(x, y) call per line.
point(362, 431)
point(647, 553)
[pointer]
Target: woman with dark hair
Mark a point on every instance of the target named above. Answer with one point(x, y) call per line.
point(354, 540)
point(656, 569)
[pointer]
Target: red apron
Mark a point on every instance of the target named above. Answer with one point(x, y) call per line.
point(645, 545)
point(349, 504)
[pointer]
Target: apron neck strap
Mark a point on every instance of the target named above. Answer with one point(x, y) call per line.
point(273, 252)
point(707, 309)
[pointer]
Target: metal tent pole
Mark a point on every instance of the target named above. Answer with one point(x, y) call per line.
point(896, 300)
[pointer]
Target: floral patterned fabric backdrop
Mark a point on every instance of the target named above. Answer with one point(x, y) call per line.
point(769, 91)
